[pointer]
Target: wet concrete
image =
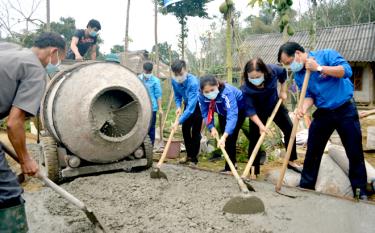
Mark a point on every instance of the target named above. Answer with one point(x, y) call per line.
point(192, 201)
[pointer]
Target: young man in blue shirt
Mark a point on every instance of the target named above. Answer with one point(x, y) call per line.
point(331, 90)
point(153, 86)
point(186, 87)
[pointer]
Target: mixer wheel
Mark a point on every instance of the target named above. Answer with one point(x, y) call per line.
point(50, 158)
point(147, 146)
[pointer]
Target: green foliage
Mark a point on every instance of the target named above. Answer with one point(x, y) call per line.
point(117, 49)
point(283, 9)
point(183, 9)
point(343, 12)
point(164, 52)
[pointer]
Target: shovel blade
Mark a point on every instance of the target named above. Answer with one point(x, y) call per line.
point(99, 226)
point(244, 205)
point(157, 174)
point(248, 185)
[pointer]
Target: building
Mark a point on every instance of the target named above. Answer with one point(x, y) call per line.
point(135, 59)
point(356, 43)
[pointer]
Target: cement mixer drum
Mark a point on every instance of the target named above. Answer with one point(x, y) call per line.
point(100, 112)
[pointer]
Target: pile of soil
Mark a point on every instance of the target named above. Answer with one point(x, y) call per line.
point(191, 201)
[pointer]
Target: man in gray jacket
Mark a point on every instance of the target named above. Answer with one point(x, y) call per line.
point(22, 85)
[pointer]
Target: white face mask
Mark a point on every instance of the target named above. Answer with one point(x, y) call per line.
point(180, 79)
point(147, 76)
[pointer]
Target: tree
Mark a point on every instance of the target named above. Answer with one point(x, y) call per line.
point(156, 36)
point(13, 13)
point(117, 48)
point(126, 46)
point(163, 49)
point(284, 10)
point(227, 9)
point(183, 9)
point(26, 16)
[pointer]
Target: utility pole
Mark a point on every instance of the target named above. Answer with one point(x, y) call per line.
point(126, 47)
point(156, 38)
point(48, 25)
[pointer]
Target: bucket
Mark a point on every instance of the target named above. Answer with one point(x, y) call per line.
point(174, 149)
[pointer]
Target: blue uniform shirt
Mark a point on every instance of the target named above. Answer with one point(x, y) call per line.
point(188, 91)
point(228, 103)
point(154, 90)
point(261, 101)
point(328, 92)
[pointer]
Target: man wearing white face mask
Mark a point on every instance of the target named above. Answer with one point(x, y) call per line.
point(186, 88)
point(22, 85)
point(260, 92)
point(84, 40)
point(331, 91)
point(152, 84)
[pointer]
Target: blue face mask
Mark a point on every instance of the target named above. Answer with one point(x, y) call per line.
point(296, 66)
point(51, 68)
point(93, 33)
point(256, 81)
point(211, 95)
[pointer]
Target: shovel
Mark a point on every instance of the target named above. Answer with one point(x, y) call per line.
point(99, 227)
point(243, 204)
point(249, 164)
point(293, 134)
point(156, 173)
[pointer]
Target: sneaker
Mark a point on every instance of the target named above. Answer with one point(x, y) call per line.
point(215, 157)
point(192, 164)
point(183, 160)
point(225, 172)
point(363, 198)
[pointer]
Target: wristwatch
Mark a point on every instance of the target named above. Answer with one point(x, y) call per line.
point(319, 68)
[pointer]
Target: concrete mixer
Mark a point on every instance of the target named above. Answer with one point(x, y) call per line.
point(96, 117)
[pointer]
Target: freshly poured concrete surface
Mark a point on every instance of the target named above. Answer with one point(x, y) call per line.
point(191, 201)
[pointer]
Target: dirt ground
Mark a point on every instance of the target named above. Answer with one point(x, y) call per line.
point(191, 201)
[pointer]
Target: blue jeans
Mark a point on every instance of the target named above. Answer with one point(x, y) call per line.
point(151, 132)
point(345, 120)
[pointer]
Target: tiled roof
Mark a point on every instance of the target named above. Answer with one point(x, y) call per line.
point(356, 43)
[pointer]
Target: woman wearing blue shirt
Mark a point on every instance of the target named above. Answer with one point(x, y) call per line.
point(186, 88)
point(228, 102)
point(261, 96)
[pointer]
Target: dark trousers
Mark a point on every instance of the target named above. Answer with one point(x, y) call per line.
point(191, 131)
point(230, 143)
point(151, 131)
point(283, 121)
point(10, 189)
point(345, 120)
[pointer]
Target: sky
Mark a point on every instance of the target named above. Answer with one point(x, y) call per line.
point(112, 16)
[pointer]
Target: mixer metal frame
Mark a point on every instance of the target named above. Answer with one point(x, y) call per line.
point(54, 160)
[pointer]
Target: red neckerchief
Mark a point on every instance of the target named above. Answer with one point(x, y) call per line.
point(211, 110)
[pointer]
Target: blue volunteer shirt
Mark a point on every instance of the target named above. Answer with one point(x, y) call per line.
point(154, 90)
point(228, 103)
point(261, 101)
point(187, 91)
point(328, 92)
